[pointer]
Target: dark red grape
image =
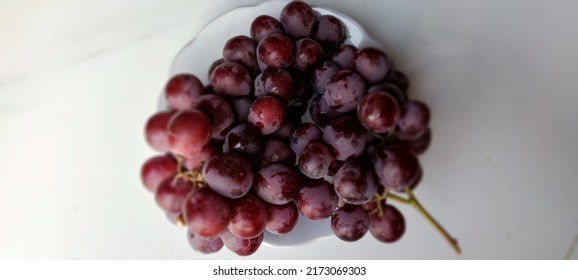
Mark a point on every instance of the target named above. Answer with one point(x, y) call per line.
point(231, 79)
point(302, 135)
point(277, 151)
point(282, 218)
point(388, 226)
point(242, 49)
point(328, 31)
point(156, 169)
point(355, 182)
point(205, 246)
point(317, 200)
point(297, 19)
point(334, 167)
point(249, 217)
point(372, 64)
point(228, 174)
point(182, 91)
point(344, 91)
point(399, 79)
point(245, 139)
point(275, 50)
point(171, 194)
point(397, 167)
point(286, 128)
point(414, 120)
point(265, 25)
point(315, 160)
point(214, 65)
point(307, 53)
point(350, 222)
point(189, 131)
point(378, 112)
point(399, 96)
point(303, 88)
point(322, 72)
point(156, 131)
point(206, 213)
point(240, 246)
point(220, 113)
point(241, 107)
point(267, 114)
point(321, 114)
point(277, 183)
point(420, 145)
point(343, 56)
point(345, 137)
point(210, 150)
point(275, 82)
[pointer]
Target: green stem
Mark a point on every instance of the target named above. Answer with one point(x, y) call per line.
point(412, 200)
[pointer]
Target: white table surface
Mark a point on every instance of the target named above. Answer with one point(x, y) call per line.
point(78, 79)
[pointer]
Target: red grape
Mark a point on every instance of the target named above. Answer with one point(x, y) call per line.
point(171, 194)
point(205, 246)
point(355, 182)
point(231, 79)
point(378, 112)
point(282, 218)
point(346, 137)
point(265, 25)
point(156, 169)
point(277, 183)
point(350, 222)
point(372, 64)
point(156, 131)
point(344, 91)
point(228, 174)
point(220, 113)
point(206, 213)
point(249, 217)
point(267, 114)
point(275, 50)
point(388, 226)
point(241, 246)
point(317, 200)
point(297, 19)
point(182, 91)
point(242, 49)
point(189, 131)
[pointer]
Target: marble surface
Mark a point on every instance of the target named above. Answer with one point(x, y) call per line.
point(79, 78)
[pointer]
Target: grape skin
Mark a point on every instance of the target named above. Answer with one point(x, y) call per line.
point(355, 182)
point(344, 91)
point(282, 218)
point(206, 213)
point(189, 131)
point(315, 160)
point(389, 226)
point(228, 174)
point(156, 169)
point(156, 131)
point(317, 200)
point(249, 217)
point(350, 222)
point(277, 183)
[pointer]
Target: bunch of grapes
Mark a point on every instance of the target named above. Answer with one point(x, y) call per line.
point(295, 123)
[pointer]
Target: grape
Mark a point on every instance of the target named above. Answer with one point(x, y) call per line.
point(241, 107)
point(171, 194)
point(220, 113)
point(156, 131)
point(245, 139)
point(322, 72)
point(228, 174)
point(303, 89)
point(307, 53)
point(267, 114)
point(297, 19)
point(277, 151)
point(417, 179)
point(277, 183)
point(249, 217)
point(328, 31)
point(346, 137)
point(350, 222)
point(205, 246)
point(372, 64)
point(214, 65)
point(378, 112)
point(206, 213)
point(414, 120)
point(355, 182)
point(242, 49)
point(240, 246)
point(343, 56)
point(317, 200)
point(344, 91)
point(282, 218)
point(302, 135)
point(156, 169)
point(315, 159)
point(391, 89)
point(388, 226)
point(334, 166)
point(275, 50)
point(399, 79)
point(210, 150)
point(420, 145)
point(265, 25)
point(182, 91)
point(189, 131)
point(321, 114)
point(276, 82)
point(231, 79)
point(286, 128)
point(397, 167)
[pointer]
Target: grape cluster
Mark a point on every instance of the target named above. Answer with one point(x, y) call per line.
point(295, 123)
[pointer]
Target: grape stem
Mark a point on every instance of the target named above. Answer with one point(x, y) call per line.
point(413, 201)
